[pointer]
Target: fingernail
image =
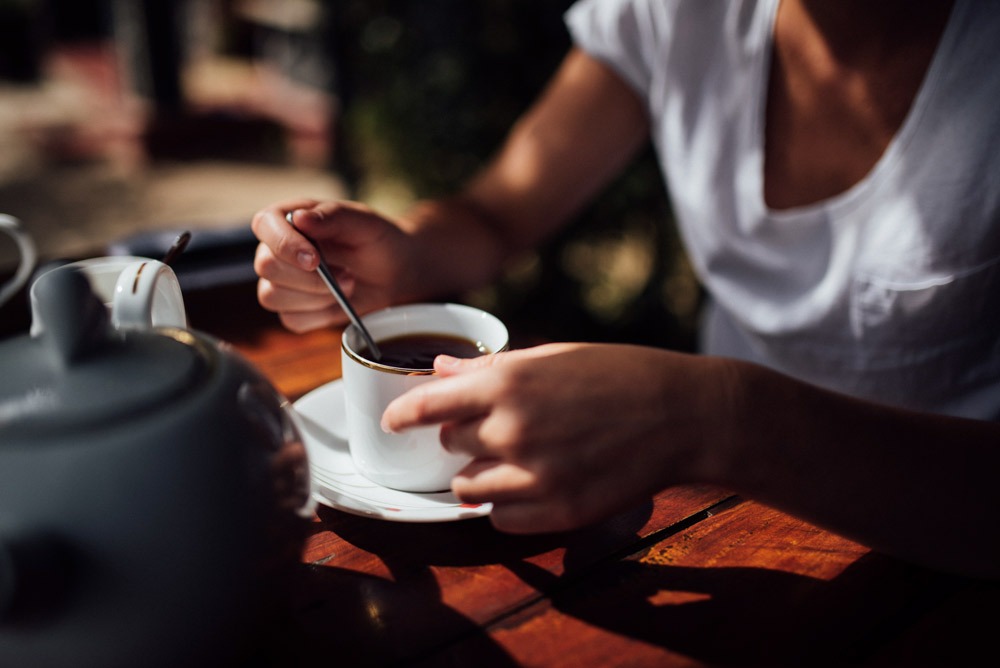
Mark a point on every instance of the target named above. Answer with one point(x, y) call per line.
point(306, 260)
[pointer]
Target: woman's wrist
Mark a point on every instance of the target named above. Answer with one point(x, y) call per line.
point(730, 405)
point(699, 404)
point(452, 247)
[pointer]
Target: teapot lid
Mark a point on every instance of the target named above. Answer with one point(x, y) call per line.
point(81, 373)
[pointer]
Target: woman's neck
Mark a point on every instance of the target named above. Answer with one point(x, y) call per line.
point(842, 81)
point(856, 30)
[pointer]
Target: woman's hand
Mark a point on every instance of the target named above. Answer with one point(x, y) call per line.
point(563, 434)
point(365, 251)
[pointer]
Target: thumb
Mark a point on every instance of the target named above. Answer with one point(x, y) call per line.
point(446, 365)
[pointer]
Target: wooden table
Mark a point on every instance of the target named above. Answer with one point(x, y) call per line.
point(695, 577)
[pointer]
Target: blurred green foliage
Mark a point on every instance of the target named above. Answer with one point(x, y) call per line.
point(430, 90)
point(439, 82)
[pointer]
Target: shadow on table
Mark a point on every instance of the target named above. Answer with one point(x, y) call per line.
point(406, 548)
point(352, 618)
point(756, 616)
point(347, 618)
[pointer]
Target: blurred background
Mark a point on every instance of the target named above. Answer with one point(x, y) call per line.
point(123, 122)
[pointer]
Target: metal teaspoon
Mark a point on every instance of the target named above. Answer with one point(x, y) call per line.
point(324, 272)
point(180, 243)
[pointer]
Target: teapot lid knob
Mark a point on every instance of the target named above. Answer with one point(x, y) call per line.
point(82, 373)
point(76, 321)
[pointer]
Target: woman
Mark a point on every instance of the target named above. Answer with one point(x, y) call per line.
point(829, 166)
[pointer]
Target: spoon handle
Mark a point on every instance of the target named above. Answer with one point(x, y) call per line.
point(180, 243)
point(324, 273)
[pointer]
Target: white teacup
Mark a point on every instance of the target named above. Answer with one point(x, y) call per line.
point(413, 461)
point(139, 292)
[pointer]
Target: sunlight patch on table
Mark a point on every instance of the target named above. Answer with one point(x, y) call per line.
point(676, 597)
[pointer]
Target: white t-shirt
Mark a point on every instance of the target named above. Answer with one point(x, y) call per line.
point(890, 290)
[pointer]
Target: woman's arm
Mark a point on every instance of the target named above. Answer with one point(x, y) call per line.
point(580, 133)
point(566, 434)
point(916, 485)
point(583, 129)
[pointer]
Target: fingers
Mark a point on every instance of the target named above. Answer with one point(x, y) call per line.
point(286, 256)
point(459, 394)
point(443, 400)
point(280, 279)
point(285, 261)
point(507, 488)
point(279, 298)
point(283, 288)
point(285, 243)
point(518, 505)
point(446, 365)
point(492, 481)
point(341, 222)
point(271, 268)
point(306, 321)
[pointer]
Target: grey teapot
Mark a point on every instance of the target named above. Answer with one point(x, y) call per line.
point(153, 492)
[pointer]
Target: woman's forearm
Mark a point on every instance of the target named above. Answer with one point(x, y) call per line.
point(539, 179)
point(912, 484)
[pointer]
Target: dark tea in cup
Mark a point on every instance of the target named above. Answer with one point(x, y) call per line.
point(417, 351)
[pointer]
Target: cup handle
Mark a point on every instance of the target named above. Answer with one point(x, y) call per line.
point(29, 256)
point(147, 294)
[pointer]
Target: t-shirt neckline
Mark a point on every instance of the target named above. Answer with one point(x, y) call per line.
point(897, 145)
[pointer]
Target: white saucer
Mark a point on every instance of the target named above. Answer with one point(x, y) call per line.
point(320, 417)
